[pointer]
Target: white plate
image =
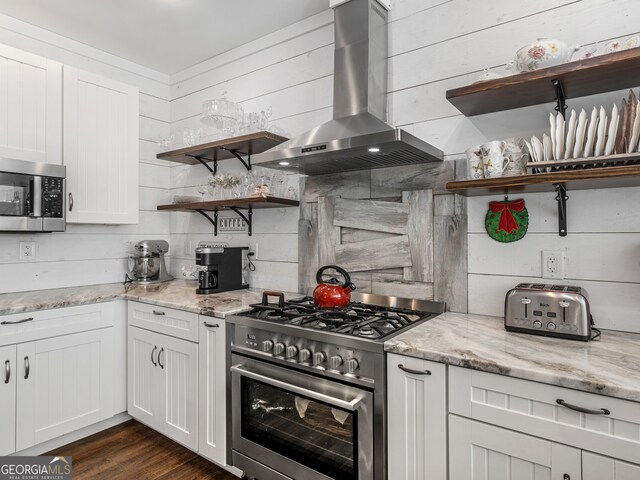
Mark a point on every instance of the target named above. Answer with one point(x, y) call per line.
point(613, 129)
point(537, 146)
point(559, 137)
point(635, 132)
point(532, 154)
point(580, 131)
point(571, 135)
point(552, 134)
point(591, 133)
point(600, 136)
point(547, 148)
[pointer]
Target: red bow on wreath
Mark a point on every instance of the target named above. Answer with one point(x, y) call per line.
point(507, 222)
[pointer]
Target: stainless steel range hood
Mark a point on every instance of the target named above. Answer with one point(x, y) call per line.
point(357, 138)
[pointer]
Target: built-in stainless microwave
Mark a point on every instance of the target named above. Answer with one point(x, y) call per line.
point(32, 196)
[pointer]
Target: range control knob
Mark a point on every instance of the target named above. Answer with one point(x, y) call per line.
point(319, 358)
point(278, 348)
point(536, 324)
point(551, 326)
point(305, 355)
point(267, 346)
point(292, 351)
point(335, 362)
point(352, 365)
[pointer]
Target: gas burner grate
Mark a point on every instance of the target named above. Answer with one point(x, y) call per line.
point(357, 319)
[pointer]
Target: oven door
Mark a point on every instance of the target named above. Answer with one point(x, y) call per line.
point(299, 425)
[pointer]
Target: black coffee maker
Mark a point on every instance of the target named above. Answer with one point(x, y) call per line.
point(223, 268)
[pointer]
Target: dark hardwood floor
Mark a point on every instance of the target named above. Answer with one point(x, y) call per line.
point(134, 451)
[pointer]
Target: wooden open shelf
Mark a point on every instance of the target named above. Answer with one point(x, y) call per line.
point(584, 179)
point(604, 73)
point(245, 145)
point(240, 203)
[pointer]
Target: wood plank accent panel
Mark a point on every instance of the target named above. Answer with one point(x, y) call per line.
point(420, 223)
point(328, 234)
point(450, 267)
point(608, 177)
point(251, 143)
point(371, 215)
point(604, 73)
point(374, 254)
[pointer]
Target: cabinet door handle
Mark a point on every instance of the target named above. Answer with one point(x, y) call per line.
point(70, 201)
point(600, 411)
point(566, 476)
point(27, 368)
point(414, 372)
point(7, 371)
point(15, 322)
point(159, 354)
point(152, 352)
point(157, 312)
point(211, 325)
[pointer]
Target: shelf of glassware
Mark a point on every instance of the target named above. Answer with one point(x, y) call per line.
point(237, 205)
point(235, 147)
point(212, 205)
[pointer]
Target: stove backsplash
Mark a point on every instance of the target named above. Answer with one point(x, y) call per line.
point(395, 230)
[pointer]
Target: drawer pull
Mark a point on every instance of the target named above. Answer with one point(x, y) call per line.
point(157, 312)
point(7, 371)
point(211, 325)
point(27, 368)
point(15, 322)
point(414, 372)
point(159, 354)
point(600, 411)
point(152, 352)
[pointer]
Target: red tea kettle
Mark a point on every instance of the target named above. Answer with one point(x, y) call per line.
point(331, 294)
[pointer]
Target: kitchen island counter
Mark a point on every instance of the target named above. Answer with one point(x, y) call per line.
point(609, 366)
point(178, 294)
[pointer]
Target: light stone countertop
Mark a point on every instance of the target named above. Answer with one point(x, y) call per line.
point(610, 366)
point(178, 294)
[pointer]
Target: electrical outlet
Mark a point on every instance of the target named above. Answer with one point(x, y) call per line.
point(256, 250)
point(188, 248)
point(552, 264)
point(27, 250)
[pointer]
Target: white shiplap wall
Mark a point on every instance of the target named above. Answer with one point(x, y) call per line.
point(92, 254)
point(436, 45)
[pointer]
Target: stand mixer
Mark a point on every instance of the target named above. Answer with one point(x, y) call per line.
point(147, 265)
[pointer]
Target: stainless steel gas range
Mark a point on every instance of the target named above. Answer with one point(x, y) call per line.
point(308, 386)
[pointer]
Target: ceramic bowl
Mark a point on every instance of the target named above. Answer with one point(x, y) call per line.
point(543, 53)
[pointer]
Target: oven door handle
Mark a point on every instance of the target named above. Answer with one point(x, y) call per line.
point(351, 406)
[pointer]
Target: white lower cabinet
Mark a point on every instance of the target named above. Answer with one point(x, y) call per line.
point(478, 451)
point(598, 467)
point(213, 390)
point(64, 383)
point(417, 419)
point(8, 400)
point(163, 384)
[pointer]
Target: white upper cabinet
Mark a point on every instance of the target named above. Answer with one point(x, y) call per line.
point(100, 149)
point(30, 107)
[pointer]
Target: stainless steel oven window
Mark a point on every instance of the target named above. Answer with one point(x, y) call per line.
point(307, 431)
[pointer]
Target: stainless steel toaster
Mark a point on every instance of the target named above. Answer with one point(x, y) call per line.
point(551, 310)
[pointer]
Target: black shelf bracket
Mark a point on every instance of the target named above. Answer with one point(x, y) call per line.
point(203, 160)
point(247, 218)
point(238, 155)
point(214, 220)
point(561, 99)
point(561, 198)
